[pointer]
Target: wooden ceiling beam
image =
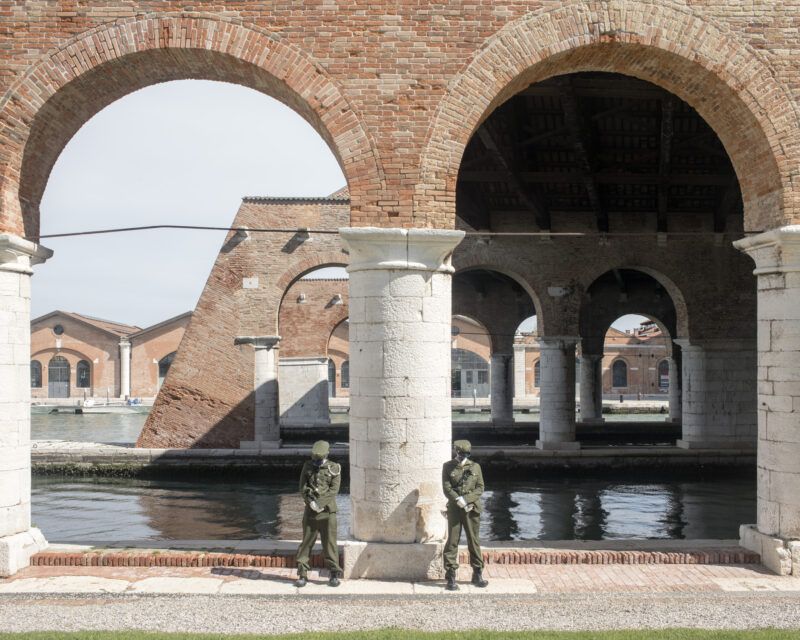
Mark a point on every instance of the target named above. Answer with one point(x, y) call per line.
point(664, 160)
point(530, 199)
point(583, 147)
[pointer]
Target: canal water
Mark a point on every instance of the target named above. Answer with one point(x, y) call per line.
point(635, 505)
point(102, 509)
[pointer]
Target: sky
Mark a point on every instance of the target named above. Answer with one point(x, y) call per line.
point(182, 152)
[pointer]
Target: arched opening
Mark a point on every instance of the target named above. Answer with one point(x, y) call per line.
point(345, 375)
point(36, 374)
point(58, 377)
point(163, 367)
point(83, 375)
point(619, 375)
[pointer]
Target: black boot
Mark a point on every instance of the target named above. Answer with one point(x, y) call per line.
point(334, 581)
point(477, 578)
point(451, 585)
point(301, 581)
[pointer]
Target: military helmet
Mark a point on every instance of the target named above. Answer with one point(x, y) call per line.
point(462, 446)
point(320, 449)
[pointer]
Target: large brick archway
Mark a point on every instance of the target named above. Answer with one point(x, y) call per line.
point(711, 68)
point(57, 95)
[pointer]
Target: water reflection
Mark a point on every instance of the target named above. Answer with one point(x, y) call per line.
point(81, 510)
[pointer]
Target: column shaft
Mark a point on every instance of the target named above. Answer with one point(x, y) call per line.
point(591, 388)
point(400, 416)
point(17, 539)
point(674, 390)
point(777, 534)
point(502, 374)
point(557, 393)
point(266, 416)
point(719, 394)
point(124, 368)
point(519, 372)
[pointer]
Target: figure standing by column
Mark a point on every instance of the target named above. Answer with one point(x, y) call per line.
point(319, 485)
point(462, 482)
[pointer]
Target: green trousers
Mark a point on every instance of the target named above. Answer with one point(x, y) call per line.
point(325, 524)
point(457, 519)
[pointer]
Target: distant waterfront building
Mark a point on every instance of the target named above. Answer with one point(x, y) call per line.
point(78, 356)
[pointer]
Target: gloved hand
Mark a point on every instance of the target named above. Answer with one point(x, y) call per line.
point(314, 506)
point(461, 502)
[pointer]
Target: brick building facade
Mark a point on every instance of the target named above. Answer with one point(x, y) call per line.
point(78, 356)
point(623, 145)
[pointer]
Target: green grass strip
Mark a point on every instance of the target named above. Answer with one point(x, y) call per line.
point(402, 634)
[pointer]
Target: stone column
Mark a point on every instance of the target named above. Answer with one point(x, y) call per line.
point(400, 426)
point(674, 389)
point(266, 421)
point(502, 399)
point(776, 536)
point(18, 541)
point(592, 388)
point(519, 372)
point(557, 393)
point(718, 393)
point(124, 368)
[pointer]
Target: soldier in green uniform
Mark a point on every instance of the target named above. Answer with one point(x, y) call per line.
point(462, 482)
point(319, 484)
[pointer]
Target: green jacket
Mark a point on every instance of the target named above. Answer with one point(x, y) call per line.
point(321, 484)
point(462, 480)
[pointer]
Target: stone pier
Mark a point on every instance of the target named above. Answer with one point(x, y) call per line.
point(266, 430)
point(18, 540)
point(675, 403)
point(592, 388)
point(400, 421)
point(557, 393)
point(776, 535)
point(718, 393)
point(124, 368)
point(502, 396)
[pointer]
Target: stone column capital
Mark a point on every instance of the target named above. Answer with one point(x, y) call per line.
point(374, 248)
point(124, 342)
point(18, 254)
point(558, 342)
point(774, 251)
point(258, 342)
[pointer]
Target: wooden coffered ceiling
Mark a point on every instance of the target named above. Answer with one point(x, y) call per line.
point(596, 145)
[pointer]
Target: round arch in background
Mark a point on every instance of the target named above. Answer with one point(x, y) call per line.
point(728, 82)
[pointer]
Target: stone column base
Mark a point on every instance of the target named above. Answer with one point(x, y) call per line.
point(777, 554)
point(716, 444)
point(16, 550)
point(255, 445)
point(387, 561)
point(558, 446)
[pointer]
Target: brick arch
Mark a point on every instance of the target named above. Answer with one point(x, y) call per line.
point(467, 262)
point(706, 65)
point(59, 93)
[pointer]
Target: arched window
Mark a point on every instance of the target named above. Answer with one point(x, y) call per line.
point(58, 377)
point(82, 375)
point(619, 374)
point(331, 379)
point(163, 367)
point(345, 374)
point(537, 374)
point(36, 374)
point(663, 375)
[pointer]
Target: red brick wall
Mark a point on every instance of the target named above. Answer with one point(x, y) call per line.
point(398, 89)
point(79, 341)
point(147, 349)
point(206, 400)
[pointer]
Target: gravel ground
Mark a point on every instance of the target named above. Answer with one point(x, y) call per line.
point(238, 614)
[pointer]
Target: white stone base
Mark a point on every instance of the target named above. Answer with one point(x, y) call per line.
point(386, 561)
point(558, 446)
point(778, 555)
point(266, 444)
point(716, 444)
point(16, 550)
